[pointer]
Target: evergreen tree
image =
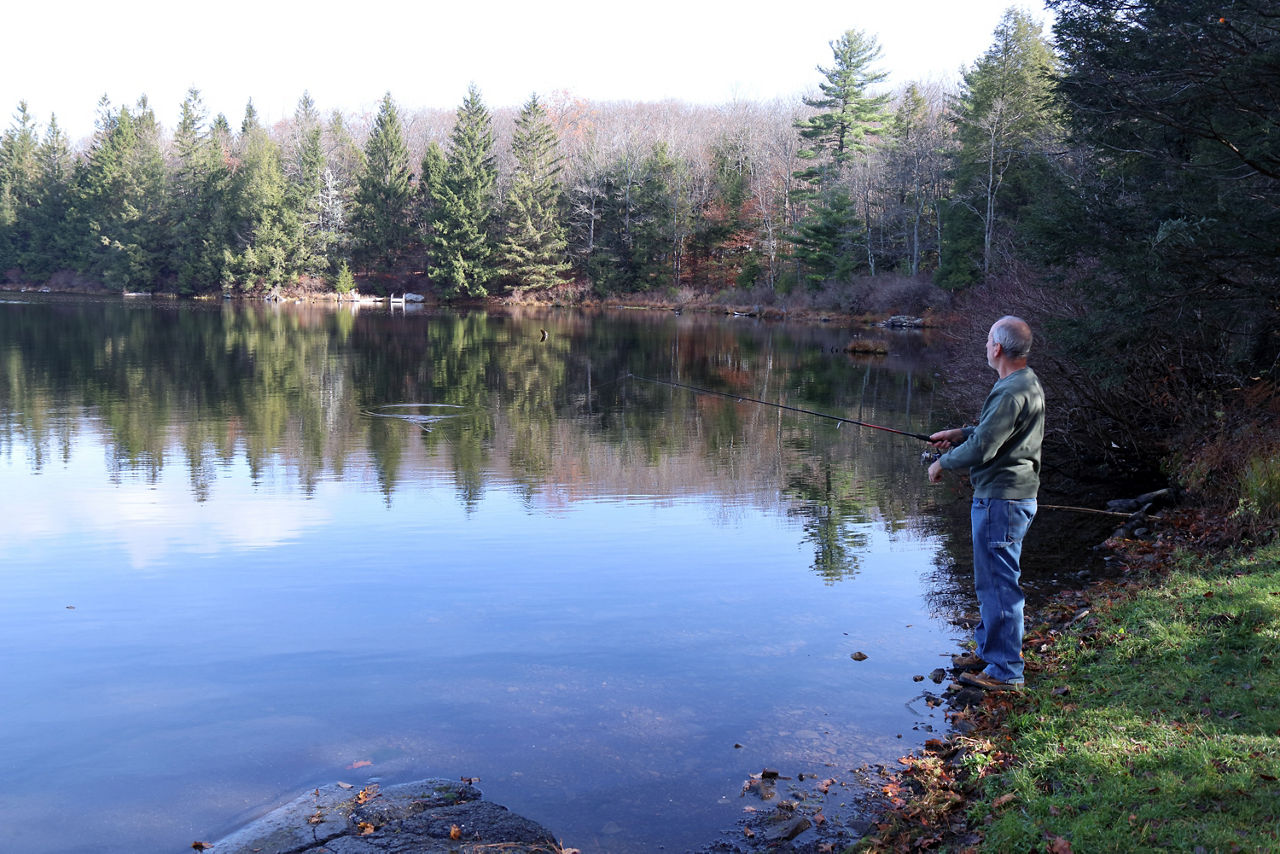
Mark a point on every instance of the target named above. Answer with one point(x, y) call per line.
point(344, 162)
point(197, 200)
point(531, 253)
point(1002, 116)
point(1170, 220)
point(49, 240)
point(118, 200)
point(382, 212)
point(19, 184)
point(660, 220)
point(266, 232)
point(305, 169)
point(827, 240)
point(430, 185)
point(848, 110)
point(836, 136)
point(461, 247)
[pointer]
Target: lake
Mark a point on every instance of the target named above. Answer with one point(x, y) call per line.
point(253, 548)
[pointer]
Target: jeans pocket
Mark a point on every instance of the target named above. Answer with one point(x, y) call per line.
point(1007, 521)
point(1018, 516)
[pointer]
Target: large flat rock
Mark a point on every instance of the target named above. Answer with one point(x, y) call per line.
point(424, 817)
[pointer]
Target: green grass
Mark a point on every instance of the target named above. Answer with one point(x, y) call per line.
point(1155, 728)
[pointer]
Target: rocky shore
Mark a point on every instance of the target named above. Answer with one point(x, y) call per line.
point(423, 817)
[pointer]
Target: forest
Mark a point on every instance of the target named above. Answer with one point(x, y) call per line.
point(1116, 180)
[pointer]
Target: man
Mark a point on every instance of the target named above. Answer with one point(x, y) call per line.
point(1003, 457)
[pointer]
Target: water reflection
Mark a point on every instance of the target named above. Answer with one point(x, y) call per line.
point(581, 587)
point(298, 385)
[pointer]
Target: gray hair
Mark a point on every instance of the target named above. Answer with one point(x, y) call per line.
point(1013, 335)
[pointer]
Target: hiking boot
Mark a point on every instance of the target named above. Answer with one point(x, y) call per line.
point(988, 683)
point(967, 661)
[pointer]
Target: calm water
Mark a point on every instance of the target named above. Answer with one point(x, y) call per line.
point(236, 565)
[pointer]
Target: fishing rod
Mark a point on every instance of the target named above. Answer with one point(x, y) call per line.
point(740, 398)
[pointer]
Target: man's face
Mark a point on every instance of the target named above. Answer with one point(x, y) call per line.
point(992, 348)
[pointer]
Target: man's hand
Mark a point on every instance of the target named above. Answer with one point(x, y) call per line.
point(935, 472)
point(945, 440)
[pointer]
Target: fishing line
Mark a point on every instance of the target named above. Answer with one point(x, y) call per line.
point(741, 398)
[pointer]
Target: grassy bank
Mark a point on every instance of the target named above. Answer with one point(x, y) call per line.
point(1150, 723)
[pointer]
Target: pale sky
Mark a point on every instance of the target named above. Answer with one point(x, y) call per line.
point(61, 57)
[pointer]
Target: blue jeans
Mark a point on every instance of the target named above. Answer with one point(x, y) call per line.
point(999, 525)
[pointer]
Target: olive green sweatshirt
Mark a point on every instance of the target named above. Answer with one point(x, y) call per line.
point(1003, 452)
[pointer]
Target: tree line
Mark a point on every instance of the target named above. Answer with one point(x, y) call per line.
point(800, 194)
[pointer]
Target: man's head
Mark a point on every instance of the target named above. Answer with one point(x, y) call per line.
point(1008, 344)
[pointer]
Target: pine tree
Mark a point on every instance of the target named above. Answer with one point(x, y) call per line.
point(305, 189)
point(848, 109)
point(344, 162)
point(837, 135)
point(266, 232)
point(531, 253)
point(49, 236)
point(19, 179)
point(197, 189)
point(430, 182)
point(461, 246)
point(382, 213)
point(826, 242)
point(660, 220)
point(119, 197)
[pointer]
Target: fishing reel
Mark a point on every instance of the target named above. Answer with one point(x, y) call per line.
point(928, 458)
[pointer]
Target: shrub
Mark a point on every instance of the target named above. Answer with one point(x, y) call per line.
point(346, 282)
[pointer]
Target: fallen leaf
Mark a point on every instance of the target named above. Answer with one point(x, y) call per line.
point(1061, 691)
point(455, 832)
point(365, 828)
point(749, 833)
point(1008, 798)
point(316, 818)
point(825, 785)
point(1059, 845)
point(819, 818)
point(367, 794)
point(359, 763)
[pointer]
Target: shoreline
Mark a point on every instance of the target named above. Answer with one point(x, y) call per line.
point(1118, 742)
point(781, 310)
